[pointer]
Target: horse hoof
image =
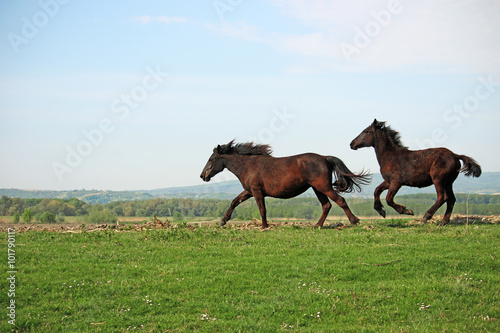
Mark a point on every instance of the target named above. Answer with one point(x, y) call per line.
point(222, 223)
point(408, 212)
point(381, 212)
point(354, 220)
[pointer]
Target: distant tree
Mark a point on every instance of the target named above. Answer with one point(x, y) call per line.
point(27, 216)
point(5, 203)
point(17, 217)
point(60, 217)
point(178, 216)
point(48, 217)
point(100, 214)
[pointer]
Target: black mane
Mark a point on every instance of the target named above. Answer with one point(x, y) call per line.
point(248, 148)
point(392, 135)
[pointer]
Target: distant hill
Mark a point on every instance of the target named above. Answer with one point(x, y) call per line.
point(488, 183)
point(221, 190)
point(89, 196)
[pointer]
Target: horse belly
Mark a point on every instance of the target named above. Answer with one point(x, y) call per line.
point(421, 182)
point(285, 189)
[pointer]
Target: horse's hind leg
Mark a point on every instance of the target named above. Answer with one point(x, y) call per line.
point(393, 189)
point(342, 204)
point(441, 199)
point(325, 203)
point(450, 202)
point(377, 205)
point(259, 198)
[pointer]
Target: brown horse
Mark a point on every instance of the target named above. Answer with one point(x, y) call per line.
point(263, 175)
point(417, 168)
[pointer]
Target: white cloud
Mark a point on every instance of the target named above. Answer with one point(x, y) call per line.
point(240, 30)
point(328, 14)
point(314, 44)
point(457, 36)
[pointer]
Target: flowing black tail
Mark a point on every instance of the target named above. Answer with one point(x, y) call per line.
point(347, 181)
point(471, 167)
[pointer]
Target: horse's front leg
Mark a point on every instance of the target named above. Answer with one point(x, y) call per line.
point(259, 198)
point(245, 195)
point(393, 189)
point(377, 205)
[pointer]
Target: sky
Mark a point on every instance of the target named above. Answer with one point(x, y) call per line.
point(134, 95)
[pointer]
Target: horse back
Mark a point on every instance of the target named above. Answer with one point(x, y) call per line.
point(421, 168)
point(285, 177)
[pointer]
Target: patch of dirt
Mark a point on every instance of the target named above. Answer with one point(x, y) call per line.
point(157, 224)
point(255, 224)
point(464, 219)
point(78, 228)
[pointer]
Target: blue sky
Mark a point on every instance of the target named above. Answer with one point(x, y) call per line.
point(126, 95)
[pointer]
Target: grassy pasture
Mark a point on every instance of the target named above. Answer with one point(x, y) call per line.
point(381, 276)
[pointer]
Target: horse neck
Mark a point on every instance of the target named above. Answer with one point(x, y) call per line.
point(236, 163)
point(383, 147)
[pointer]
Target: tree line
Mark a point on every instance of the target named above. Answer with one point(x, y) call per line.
point(55, 210)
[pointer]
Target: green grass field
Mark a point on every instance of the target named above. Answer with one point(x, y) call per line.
point(381, 276)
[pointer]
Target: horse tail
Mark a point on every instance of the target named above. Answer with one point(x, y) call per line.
point(470, 167)
point(346, 180)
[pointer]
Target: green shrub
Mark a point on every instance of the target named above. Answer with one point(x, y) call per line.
point(27, 216)
point(100, 214)
point(48, 217)
point(178, 217)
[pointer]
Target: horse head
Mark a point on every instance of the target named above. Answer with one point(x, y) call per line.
point(367, 137)
point(214, 165)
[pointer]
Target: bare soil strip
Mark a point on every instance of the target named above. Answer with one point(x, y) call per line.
point(238, 225)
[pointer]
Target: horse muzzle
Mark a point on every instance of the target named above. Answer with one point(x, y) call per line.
point(205, 177)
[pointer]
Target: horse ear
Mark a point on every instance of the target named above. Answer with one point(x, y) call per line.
point(378, 124)
point(218, 149)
